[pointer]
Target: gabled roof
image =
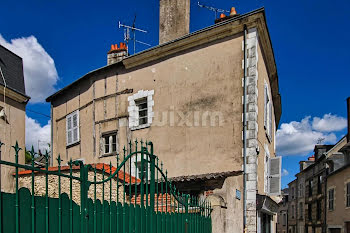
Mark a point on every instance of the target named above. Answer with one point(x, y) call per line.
point(212, 33)
point(12, 70)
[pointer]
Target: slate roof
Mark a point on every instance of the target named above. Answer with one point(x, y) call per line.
point(12, 69)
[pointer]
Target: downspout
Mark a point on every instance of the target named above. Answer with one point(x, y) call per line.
point(244, 129)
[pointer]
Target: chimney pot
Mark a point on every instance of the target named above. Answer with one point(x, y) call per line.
point(222, 15)
point(233, 11)
point(116, 54)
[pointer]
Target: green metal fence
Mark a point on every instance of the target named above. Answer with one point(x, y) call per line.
point(147, 203)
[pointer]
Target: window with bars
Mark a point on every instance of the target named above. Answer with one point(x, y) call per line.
point(110, 143)
point(331, 199)
point(143, 110)
point(72, 128)
point(348, 194)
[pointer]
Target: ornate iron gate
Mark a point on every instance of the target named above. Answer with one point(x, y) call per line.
point(146, 202)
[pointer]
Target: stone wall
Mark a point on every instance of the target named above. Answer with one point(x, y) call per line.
point(40, 186)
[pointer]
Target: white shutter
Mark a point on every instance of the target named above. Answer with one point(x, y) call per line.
point(270, 119)
point(72, 127)
point(265, 106)
point(275, 176)
point(69, 129)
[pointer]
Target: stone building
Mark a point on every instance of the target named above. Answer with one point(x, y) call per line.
point(13, 101)
point(282, 216)
point(338, 187)
point(292, 206)
point(208, 100)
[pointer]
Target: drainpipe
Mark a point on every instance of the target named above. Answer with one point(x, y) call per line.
point(244, 130)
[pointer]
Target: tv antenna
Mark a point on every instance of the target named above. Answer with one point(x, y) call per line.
point(131, 29)
point(216, 10)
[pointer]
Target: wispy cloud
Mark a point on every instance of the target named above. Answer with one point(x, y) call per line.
point(300, 137)
point(39, 68)
point(284, 172)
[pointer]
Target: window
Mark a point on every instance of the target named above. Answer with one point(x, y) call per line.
point(301, 210)
point(72, 125)
point(309, 212)
point(138, 170)
point(319, 184)
point(267, 112)
point(141, 105)
point(293, 193)
point(310, 187)
point(284, 219)
point(331, 199)
point(141, 109)
point(319, 210)
point(301, 190)
point(348, 194)
point(266, 171)
point(110, 143)
point(293, 211)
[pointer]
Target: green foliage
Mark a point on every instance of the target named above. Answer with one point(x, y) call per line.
point(28, 158)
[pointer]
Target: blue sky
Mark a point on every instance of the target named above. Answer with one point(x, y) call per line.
point(310, 40)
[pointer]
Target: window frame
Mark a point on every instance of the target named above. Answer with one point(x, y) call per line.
point(267, 112)
point(347, 195)
point(331, 200)
point(134, 111)
point(109, 135)
point(69, 120)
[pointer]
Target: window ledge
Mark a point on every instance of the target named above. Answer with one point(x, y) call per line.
point(73, 144)
point(108, 155)
point(141, 126)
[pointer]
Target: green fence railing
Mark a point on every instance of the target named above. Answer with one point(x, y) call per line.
point(136, 196)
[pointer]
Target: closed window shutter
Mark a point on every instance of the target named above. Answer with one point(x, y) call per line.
point(72, 127)
point(265, 107)
point(69, 129)
point(275, 176)
point(270, 118)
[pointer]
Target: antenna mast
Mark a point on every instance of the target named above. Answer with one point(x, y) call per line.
point(133, 30)
point(216, 10)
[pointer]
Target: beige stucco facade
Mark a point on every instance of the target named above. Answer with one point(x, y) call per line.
point(339, 217)
point(197, 90)
point(12, 129)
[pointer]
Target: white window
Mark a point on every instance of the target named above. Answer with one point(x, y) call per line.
point(266, 168)
point(72, 128)
point(267, 112)
point(109, 143)
point(141, 109)
point(137, 169)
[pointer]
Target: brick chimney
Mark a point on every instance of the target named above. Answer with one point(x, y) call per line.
point(174, 19)
point(117, 54)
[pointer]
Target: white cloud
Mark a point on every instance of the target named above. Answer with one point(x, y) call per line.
point(35, 133)
point(40, 73)
point(299, 138)
point(329, 123)
point(284, 172)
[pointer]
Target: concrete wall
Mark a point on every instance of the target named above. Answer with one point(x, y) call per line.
point(341, 213)
point(11, 131)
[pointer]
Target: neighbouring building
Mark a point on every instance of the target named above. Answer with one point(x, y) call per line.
point(13, 101)
point(187, 95)
point(282, 215)
point(338, 187)
point(292, 206)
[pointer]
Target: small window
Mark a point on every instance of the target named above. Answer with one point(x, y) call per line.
point(143, 110)
point(310, 187)
point(331, 199)
point(72, 126)
point(142, 171)
point(110, 143)
point(301, 210)
point(284, 219)
point(293, 211)
point(319, 209)
point(319, 184)
point(348, 194)
point(309, 211)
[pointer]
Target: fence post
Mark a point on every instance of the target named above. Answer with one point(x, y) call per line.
point(84, 187)
point(186, 213)
point(152, 187)
point(17, 149)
